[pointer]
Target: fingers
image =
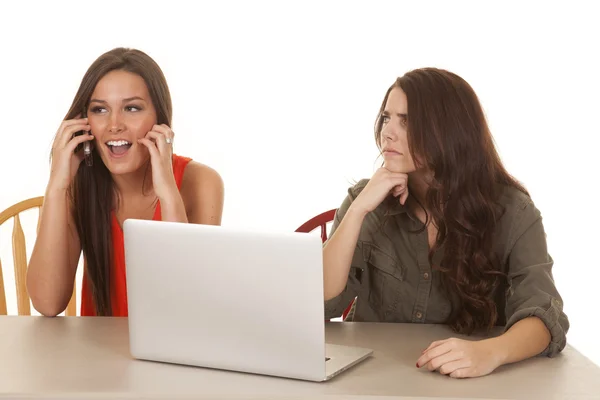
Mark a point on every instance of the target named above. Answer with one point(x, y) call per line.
point(436, 344)
point(433, 353)
point(77, 140)
point(393, 172)
point(394, 175)
point(455, 357)
point(396, 182)
point(394, 178)
point(164, 129)
point(404, 197)
point(160, 134)
point(68, 128)
point(452, 367)
point(160, 140)
point(442, 361)
point(432, 345)
point(73, 121)
point(398, 190)
point(156, 141)
point(462, 372)
point(152, 149)
point(402, 191)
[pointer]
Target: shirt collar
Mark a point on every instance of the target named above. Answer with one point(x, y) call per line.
point(393, 207)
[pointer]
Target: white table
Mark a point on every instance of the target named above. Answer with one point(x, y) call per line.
point(79, 357)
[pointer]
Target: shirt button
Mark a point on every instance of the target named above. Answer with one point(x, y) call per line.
point(426, 275)
point(419, 315)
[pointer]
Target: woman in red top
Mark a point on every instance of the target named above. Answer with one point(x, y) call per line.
point(123, 106)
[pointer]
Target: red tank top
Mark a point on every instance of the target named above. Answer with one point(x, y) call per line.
point(118, 285)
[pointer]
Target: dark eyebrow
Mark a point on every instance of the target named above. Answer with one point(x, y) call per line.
point(387, 114)
point(132, 98)
point(124, 100)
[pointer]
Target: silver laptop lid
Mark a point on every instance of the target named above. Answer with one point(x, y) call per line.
point(226, 298)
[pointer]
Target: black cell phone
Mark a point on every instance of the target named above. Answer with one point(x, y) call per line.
point(87, 146)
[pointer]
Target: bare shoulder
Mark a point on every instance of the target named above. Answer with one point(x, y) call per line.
point(197, 173)
point(202, 191)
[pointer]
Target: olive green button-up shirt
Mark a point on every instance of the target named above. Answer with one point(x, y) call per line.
point(393, 281)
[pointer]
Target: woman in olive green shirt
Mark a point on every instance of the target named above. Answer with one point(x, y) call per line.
point(441, 233)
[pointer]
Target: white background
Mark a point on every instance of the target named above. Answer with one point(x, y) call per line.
point(280, 98)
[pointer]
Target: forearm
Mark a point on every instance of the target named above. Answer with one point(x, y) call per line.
point(338, 252)
point(526, 338)
point(172, 207)
point(49, 272)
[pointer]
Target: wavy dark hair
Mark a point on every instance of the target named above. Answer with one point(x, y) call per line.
point(92, 192)
point(448, 136)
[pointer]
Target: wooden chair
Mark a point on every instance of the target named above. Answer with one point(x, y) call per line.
point(20, 258)
point(320, 221)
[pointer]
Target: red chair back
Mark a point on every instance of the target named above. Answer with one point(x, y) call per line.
point(320, 221)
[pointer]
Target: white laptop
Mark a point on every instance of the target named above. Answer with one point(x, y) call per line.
point(232, 299)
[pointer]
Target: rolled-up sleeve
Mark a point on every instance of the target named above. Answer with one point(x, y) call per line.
point(532, 291)
point(335, 307)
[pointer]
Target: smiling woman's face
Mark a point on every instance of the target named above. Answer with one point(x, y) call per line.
point(120, 113)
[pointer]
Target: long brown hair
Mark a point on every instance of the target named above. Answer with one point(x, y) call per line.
point(448, 135)
point(92, 192)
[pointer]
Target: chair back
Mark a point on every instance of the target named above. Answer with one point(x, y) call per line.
point(320, 221)
point(20, 258)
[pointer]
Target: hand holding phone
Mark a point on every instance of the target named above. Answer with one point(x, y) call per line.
point(66, 160)
point(87, 146)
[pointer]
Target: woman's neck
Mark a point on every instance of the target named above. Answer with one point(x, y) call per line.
point(137, 183)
